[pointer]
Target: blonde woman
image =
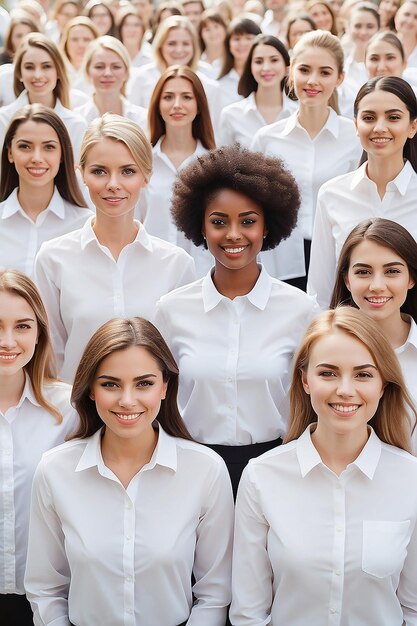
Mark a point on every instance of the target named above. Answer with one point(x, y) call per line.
point(77, 34)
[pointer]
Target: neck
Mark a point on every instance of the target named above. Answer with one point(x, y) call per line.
point(213, 52)
point(269, 96)
point(34, 200)
point(279, 14)
point(11, 389)
point(108, 102)
point(337, 450)
point(178, 144)
point(132, 47)
point(47, 100)
point(233, 283)
point(115, 233)
point(383, 171)
point(313, 118)
point(359, 53)
point(395, 329)
point(238, 65)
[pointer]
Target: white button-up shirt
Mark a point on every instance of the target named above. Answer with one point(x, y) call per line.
point(83, 286)
point(407, 356)
point(103, 554)
point(315, 548)
point(240, 121)
point(342, 204)
point(27, 430)
point(137, 114)
point(234, 357)
point(21, 237)
point(74, 123)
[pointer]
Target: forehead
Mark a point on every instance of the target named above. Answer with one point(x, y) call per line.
point(102, 54)
point(373, 253)
point(339, 348)
point(109, 151)
point(265, 50)
point(178, 84)
point(382, 101)
point(178, 34)
point(80, 31)
point(33, 131)
point(36, 54)
point(315, 56)
point(382, 47)
point(129, 363)
point(13, 305)
point(232, 203)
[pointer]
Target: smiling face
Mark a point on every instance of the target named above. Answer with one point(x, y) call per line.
point(379, 280)
point(383, 125)
point(213, 33)
point(178, 48)
point(297, 29)
point(178, 105)
point(113, 178)
point(78, 39)
point(315, 76)
point(321, 16)
point(234, 228)
point(387, 9)
point(268, 67)
point(344, 384)
point(36, 152)
point(107, 71)
point(101, 17)
point(38, 74)
point(384, 59)
point(406, 19)
point(362, 25)
point(240, 45)
point(18, 334)
point(127, 390)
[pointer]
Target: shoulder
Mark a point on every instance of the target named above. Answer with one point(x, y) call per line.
point(67, 242)
point(202, 458)
point(279, 457)
point(62, 458)
point(337, 184)
point(298, 300)
point(181, 295)
point(400, 457)
point(166, 249)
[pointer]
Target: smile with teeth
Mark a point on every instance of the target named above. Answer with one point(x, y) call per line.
point(343, 408)
point(380, 139)
point(378, 300)
point(37, 170)
point(128, 417)
point(8, 357)
point(234, 250)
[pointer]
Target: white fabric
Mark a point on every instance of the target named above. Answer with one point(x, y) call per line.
point(125, 556)
point(235, 364)
point(78, 79)
point(144, 56)
point(407, 356)
point(343, 203)
point(154, 207)
point(315, 548)
point(132, 112)
point(83, 286)
point(412, 59)
point(73, 122)
point(21, 238)
point(228, 85)
point(26, 432)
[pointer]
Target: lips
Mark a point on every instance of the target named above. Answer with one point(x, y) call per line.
point(381, 140)
point(8, 358)
point(128, 419)
point(37, 171)
point(345, 409)
point(234, 250)
point(311, 92)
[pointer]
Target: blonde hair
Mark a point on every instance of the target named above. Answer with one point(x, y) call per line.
point(391, 421)
point(121, 129)
point(325, 40)
point(76, 21)
point(166, 26)
point(107, 42)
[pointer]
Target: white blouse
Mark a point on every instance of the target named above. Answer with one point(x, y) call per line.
point(407, 356)
point(228, 85)
point(234, 357)
point(137, 114)
point(83, 286)
point(27, 430)
point(103, 554)
point(315, 548)
point(342, 204)
point(21, 237)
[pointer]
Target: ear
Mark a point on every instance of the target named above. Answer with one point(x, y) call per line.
point(9, 155)
point(304, 382)
point(340, 79)
point(92, 396)
point(411, 283)
point(164, 391)
point(346, 279)
point(356, 126)
point(413, 129)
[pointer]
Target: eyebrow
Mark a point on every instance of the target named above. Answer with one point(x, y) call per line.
point(244, 214)
point(322, 67)
point(137, 378)
point(357, 367)
point(388, 111)
point(182, 93)
point(392, 264)
point(121, 167)
point(25, 319)
point(29, 141)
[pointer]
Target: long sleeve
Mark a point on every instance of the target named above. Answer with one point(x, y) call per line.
point(407, 588)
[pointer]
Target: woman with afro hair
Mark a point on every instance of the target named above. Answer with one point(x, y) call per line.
point(234, 332)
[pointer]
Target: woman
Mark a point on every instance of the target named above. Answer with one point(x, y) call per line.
point(180, 131)
point(387, 10)
point(128, 475)
point(297, 26)
point(19, 26)
point(385, 185)
point(335, 508)
point(377, 272)
point(63, 11)
point(234, 382)
point(165, 9)
point(241, 33)
point(100, 13)
point(362, 24)
point(262, 85)
point(40, 77)
point(35, 415)
point(406, 27)
point(106, 66)
point(315, 142)
point(39, 194)
point(111, 266)
point(131, 31)
point(77, 34)
point(212, 32)
point(322, 15)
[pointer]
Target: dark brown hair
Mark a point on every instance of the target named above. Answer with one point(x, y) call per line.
point(247, 83)
point(238, 26)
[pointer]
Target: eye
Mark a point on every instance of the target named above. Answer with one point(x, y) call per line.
point(364, 374)
point(217, 222)
point(367, 118)
point(97, 171)
point(248, 221)
point(145, 383)
point(23, 326)
point(394, 118)
point(23, 146)
point(50, 147)
point(362, 272)
point(108, 384)
point(129, 171)
point(327, 374)
point(393, 270)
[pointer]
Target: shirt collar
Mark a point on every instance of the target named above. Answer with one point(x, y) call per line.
point(332, 123)
point(28, 393)
point(401, 181)
point(258, 296)
point(367, 461)
point(412, 336)
point(12, 205)
point(88, 235)
point(164, 454)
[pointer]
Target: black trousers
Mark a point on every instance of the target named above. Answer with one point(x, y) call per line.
point(15, 610)
point(301, 281)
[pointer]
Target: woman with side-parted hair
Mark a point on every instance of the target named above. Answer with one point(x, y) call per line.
point(385, 56)
point(297, 26)
point(322, 15)
point(62, 12)
point(406, 27)
point(315, 142)
point(19, 26)
point(377, 272)
point(39, 58)
point(212, 31)
point(35, 415)
point(100, 13)
point(77, 34)
point(131, 510)
point(262, 85)
point(387, 10)
point(335, 508)
point(39, 193)
point(131, 32)
point(107, 68)
point(234, 331)
point(111, 266)
point(180, 131)
point(385, 184)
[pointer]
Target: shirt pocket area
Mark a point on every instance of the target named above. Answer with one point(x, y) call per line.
point(384, 547)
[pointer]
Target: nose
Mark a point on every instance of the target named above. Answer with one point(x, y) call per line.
point(127, 398)
point(7, 339)
point(312, 79)
point(113, 182)
point(345, 387)
point(380, 125)
point(233, 232)
point(107, 70)
point(36, 154)
point(377, 282)
point(177, 101)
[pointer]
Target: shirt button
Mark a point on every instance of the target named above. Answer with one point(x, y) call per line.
point(128, 537)
point(129, 579)
point(337, 572)
point(339, 529)
point(128, 505)
point(333, 611)
point(229, 380)
point(10, 550)
point(129, 611)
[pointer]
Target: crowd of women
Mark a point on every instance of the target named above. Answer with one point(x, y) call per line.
point(208, 309)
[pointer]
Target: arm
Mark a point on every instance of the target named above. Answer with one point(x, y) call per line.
point(213, 553)
point(226, 135)
point(186, 271)
point(407, 588)
point(252, 575)
point(47, 575)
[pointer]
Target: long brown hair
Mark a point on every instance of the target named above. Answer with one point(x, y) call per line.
point(41, 367)
point(202, 128)
point(113, 336)
point(65, 180)
point(391, 421)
